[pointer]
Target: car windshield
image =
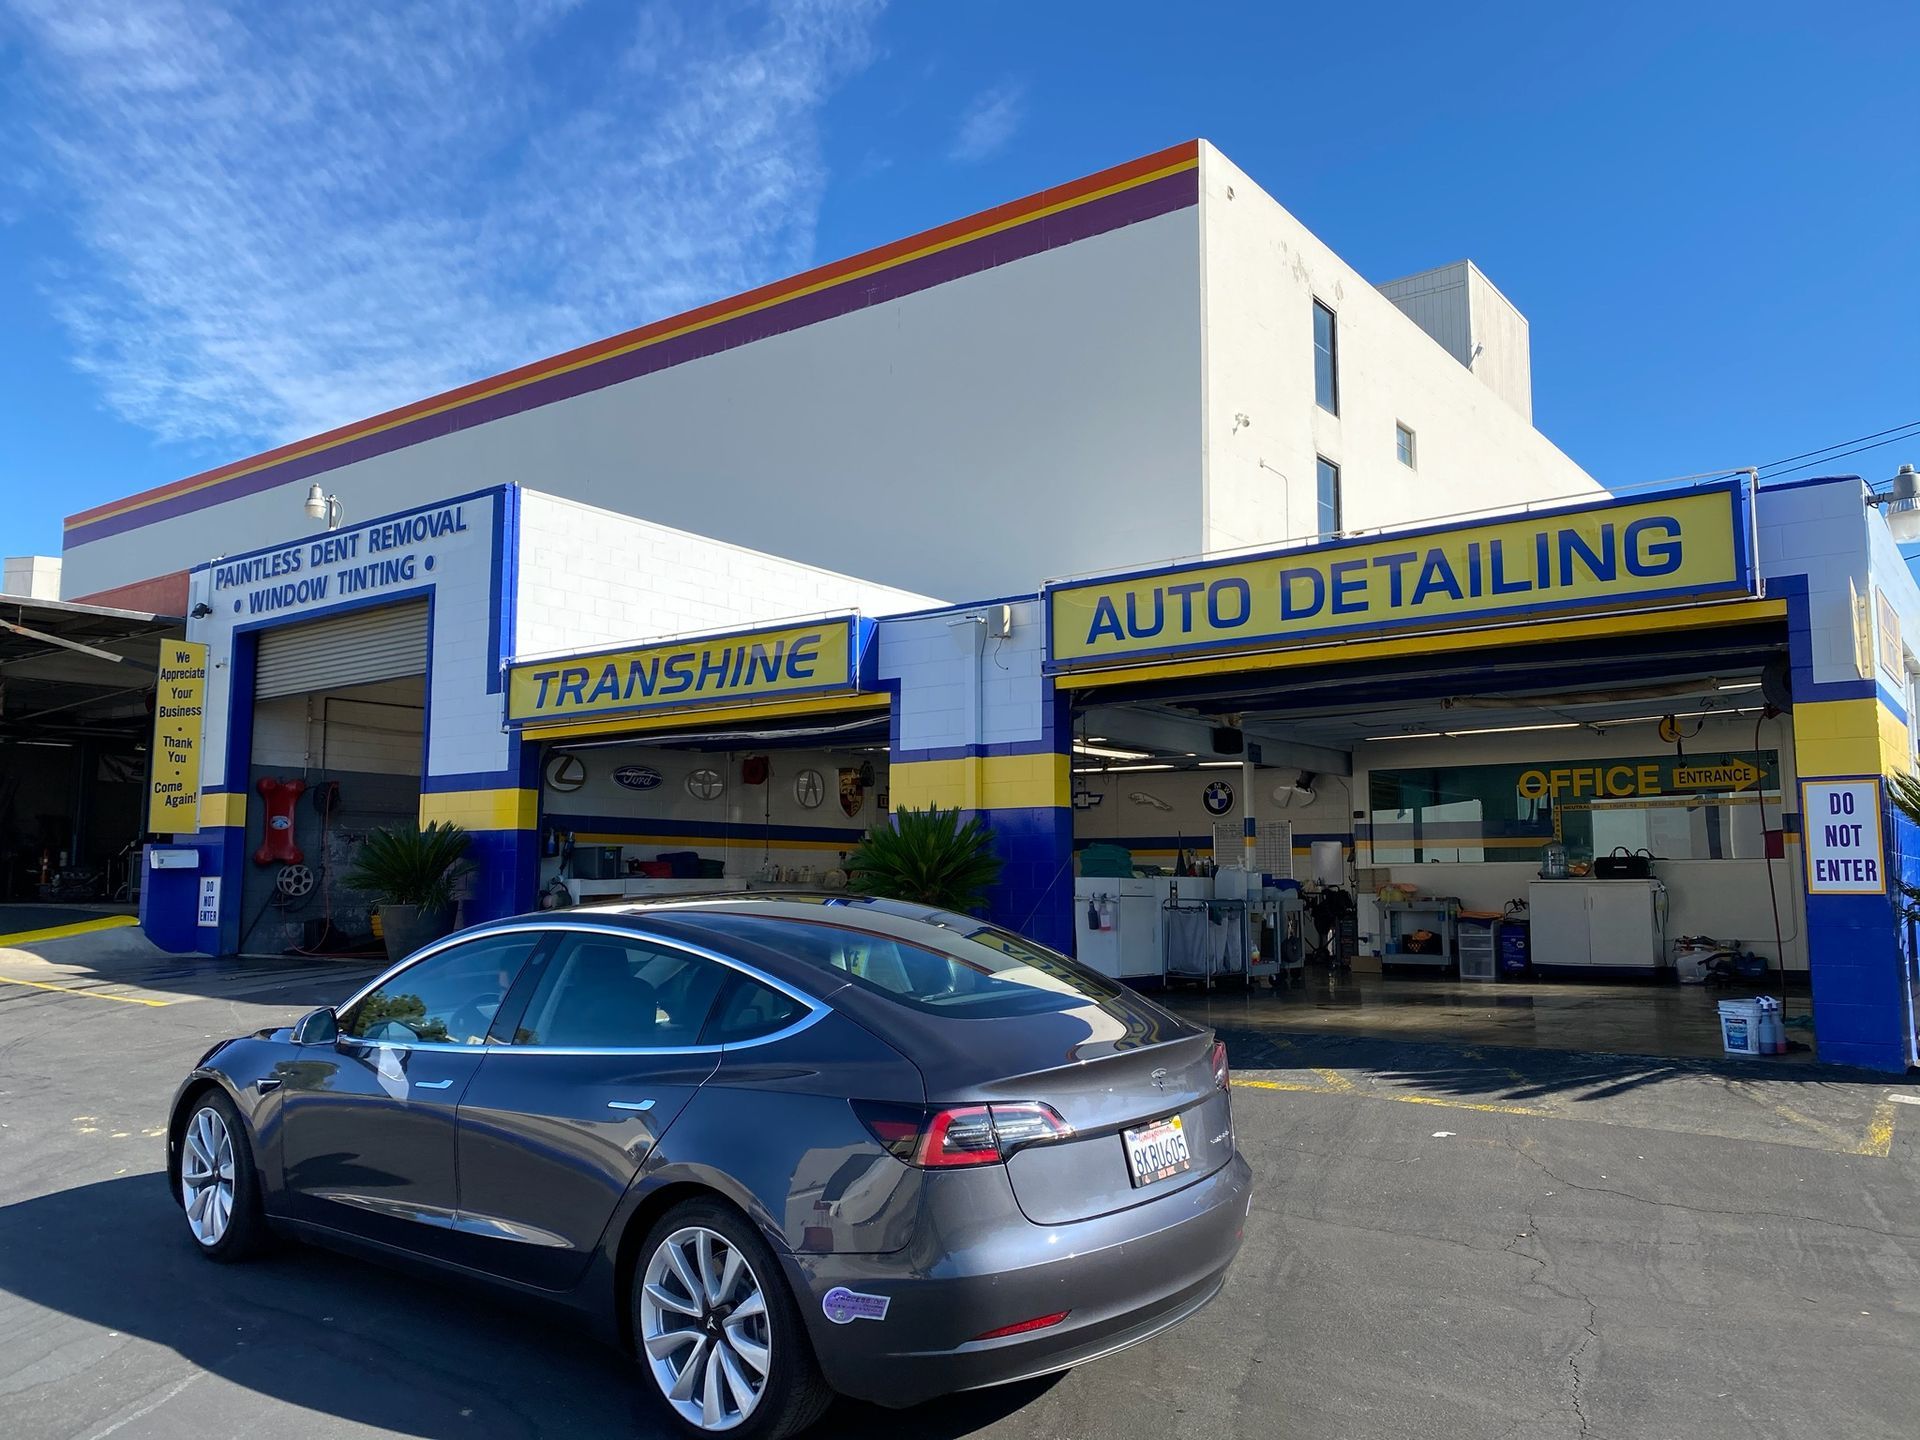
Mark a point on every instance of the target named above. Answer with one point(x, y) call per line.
point(967, 968)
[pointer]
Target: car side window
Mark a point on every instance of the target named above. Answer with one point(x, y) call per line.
point(446, 999)
point(749, 1010)
point(601, 991)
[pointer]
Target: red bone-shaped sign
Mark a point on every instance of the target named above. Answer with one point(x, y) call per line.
point(281, 796)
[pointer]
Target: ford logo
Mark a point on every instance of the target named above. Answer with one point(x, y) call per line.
point(637, 777)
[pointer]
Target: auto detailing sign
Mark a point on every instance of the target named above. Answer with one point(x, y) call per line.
point(1845, 853)
point(1607, 556)
point(179, 712)
point(390, 554)
point(789, 661)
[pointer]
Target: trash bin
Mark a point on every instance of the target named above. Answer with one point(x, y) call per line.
point(1516, 950)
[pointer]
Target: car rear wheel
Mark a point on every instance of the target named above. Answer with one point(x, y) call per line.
point(717, 1331)
point(218, 1189)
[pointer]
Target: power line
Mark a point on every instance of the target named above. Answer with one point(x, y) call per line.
point(1822, 451)
point(1858, 450)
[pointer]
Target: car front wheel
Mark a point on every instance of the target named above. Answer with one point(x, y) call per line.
point(717, 1330)
point(218, 1190)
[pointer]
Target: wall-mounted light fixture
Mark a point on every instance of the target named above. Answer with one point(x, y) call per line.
point(1900, 503)
point(323, 507)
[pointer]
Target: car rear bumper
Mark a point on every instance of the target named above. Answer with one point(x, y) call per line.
point(1123, 1277)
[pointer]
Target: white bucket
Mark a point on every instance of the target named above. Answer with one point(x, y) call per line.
point(1740, 1027)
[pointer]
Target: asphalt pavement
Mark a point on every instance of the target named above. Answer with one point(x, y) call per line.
point(1444, 1242)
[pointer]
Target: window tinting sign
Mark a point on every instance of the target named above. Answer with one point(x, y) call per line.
point(1844, 850)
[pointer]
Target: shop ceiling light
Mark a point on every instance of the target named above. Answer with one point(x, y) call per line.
point(1105, 753)
point(1516, 729)
point(1410, 735)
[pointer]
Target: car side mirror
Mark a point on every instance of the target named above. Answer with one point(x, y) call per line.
point(317, 1027)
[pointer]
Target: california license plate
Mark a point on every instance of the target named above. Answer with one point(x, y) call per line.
point(1157, 1151)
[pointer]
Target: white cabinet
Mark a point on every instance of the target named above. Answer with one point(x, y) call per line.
point(1617, 926)
point(1133, 947)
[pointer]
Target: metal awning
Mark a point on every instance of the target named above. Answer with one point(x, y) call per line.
point(72, 671)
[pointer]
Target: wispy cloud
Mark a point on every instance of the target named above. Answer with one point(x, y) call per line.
point(293, 216)
point(989, 122)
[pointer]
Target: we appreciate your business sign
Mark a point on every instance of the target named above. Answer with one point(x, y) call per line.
point(1614, 554)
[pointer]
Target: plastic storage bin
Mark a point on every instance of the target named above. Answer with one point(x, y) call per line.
point(1477, 943)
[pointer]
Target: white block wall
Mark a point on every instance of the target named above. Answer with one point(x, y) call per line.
point(590, 578)
point(962, 686)
point(1821, 532)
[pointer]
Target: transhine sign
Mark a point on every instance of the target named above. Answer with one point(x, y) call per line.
point(782, 663)
point(1614, 554)
point(180, 702)
point(1844, 849)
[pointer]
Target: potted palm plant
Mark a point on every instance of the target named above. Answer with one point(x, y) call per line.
point(412, 873)
point(927, 857)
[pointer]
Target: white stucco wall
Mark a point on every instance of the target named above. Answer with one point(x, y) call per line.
point(1262, 271)
point(589, 577)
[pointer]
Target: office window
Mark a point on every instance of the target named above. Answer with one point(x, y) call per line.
point(1329, 484)
point(1326, 379)
point(1403, 442)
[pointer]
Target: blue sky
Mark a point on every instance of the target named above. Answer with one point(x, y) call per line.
point(224, 226)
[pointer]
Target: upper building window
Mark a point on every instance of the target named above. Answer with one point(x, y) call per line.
point(1403, 443)
point(1326, 378)
point(1328, 475)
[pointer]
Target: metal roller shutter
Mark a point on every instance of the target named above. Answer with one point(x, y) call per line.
point(385, 643)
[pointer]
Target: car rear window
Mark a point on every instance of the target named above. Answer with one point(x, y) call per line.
point(977, 972)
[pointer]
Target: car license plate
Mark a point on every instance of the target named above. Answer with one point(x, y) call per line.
point(1158, 1151)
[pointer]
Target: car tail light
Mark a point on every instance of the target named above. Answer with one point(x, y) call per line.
point(943, 1138)
point(1222, 1074)
point(1039, 1322)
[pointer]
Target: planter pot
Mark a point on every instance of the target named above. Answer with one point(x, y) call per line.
point(406, 928)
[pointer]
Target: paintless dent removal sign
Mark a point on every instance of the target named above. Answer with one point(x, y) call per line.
point(1606, 557)
point(762, 664)
point(179, 705)
point(1844, 850)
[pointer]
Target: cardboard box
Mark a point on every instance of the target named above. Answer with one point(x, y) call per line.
point(1366, 965)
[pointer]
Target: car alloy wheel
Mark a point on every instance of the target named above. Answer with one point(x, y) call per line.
point(705, 1329)
point(206, 1176)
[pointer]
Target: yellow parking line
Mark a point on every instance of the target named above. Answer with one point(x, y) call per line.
point(1345, 1087)
point(63, 932)
point(1335, 1080)
point(86, 994)
point(1879, 1139)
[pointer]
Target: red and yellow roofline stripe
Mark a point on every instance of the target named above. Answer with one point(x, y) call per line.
point(1148, 168)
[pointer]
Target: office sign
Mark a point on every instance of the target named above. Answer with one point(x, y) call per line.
point(773, 664)
point(1845, 853)
point(179, 706)
point(1611, 555)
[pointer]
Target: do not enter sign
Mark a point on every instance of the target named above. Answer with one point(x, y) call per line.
point(1845, 855)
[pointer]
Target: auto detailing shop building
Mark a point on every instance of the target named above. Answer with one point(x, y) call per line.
point(602, 611)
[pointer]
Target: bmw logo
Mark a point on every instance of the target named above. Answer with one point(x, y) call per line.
point(1218, 797)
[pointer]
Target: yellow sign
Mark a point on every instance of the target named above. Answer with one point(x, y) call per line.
point(1734, 775)
point(180, 702)
point(1615, 554)
point(721, 669)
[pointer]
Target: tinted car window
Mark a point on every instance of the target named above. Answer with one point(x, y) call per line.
point(749, 1010)
point(448, 998)
point(979, 972)
point(603, 992)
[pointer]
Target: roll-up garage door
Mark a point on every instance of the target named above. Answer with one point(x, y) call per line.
point(384, 643)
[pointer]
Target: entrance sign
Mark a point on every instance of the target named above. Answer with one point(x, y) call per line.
point(179, 712)
point(790, 661)
point(1610, 555)
point(1845, 854)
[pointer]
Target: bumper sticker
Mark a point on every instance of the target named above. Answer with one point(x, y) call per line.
point(844, 1306)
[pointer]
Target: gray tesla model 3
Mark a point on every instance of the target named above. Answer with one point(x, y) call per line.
point(775, 1149)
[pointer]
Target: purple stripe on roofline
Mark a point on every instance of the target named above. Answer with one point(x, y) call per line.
point(1111, 212)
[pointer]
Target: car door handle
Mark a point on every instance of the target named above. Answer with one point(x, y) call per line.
point(640, 1105)
point(431, 1084)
